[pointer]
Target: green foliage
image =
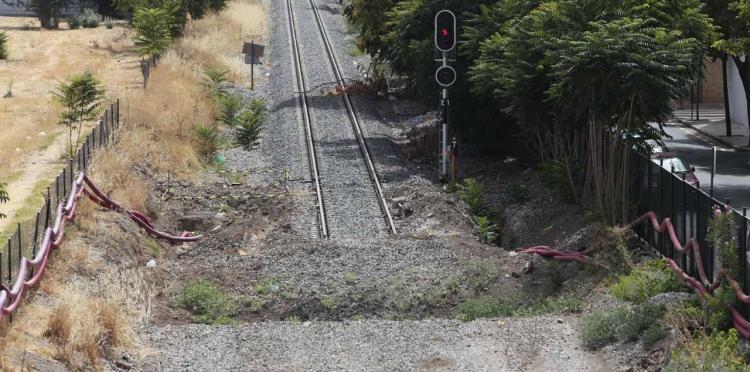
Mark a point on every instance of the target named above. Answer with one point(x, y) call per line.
point(4, 198)
point(81, 98)
point(645, 281)
point(653, 334)
point(47, 11)
point(153, 30)
point(472, 193)
point(489, 307)
point(519, 192)
point(3, 45)
point(89, 18)
point(74, 23)
point(554, 175)
point(249, 124)
point(624, 324)
point(208, 140)
point(207, 302)
point(248, 129)
point(108, 24)
point(230, 106)
point(487, 229)
point(480, 274)
point(720, 235)
point(214, 78)
point(719, 351)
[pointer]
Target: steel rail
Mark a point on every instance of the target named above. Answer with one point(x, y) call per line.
point(302, 88)
point(353, 116)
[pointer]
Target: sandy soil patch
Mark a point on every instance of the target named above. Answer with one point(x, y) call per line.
point(30, 145)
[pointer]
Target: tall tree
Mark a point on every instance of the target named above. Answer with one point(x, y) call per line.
point(47, 11)
point(733, 19)
point(153, 30)
point(727, 24)
point(81, 98)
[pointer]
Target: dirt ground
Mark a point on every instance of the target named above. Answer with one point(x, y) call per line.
point(32, 145)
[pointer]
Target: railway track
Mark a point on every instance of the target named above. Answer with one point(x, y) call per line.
point(324, 166)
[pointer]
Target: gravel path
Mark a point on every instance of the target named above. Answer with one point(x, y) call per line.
point(533, 344)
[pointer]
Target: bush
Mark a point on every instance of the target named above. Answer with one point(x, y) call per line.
point(214, 78)
point(3, 45)
point(489, 307)
point(108, 24)
point(519, 193)
point(555, 176)
point(645, 281)
point(623, 324)
point(74, 23)
point(229, 108)
point(207, 303)
point(717, 352)
point(487, 229)
point(472, 193)
point(248, 129)
point(89, 18)
point(208, 140)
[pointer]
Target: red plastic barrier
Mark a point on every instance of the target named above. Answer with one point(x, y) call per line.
point(53, 237)
point(703, 287)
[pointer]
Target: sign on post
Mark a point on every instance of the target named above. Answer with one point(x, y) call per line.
point(253, 52)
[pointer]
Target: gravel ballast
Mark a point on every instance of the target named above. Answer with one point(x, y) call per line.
point(539, 344)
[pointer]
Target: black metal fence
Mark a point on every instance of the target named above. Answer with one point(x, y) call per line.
point(26, 238)
point(691, 209)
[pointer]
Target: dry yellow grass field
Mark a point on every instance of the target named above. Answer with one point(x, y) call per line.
point(158, 135)
point(31, 145)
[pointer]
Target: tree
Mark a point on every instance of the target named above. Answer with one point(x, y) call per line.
point(584, 78)
point(153, 30)
point(3, 45)
point(733, 19)
point(3, 198)
point(48, 11)
point(82, 98)
point(369, 17)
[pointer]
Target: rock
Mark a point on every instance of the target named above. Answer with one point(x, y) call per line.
point(670, 299)
point(196, 221)
point(151, 263)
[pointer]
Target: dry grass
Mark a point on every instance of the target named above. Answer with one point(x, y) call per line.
point(31, 147)
point(217, 39)
point(88, 306)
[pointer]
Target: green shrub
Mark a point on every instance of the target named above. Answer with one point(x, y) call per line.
point(487, 230)
point(108, 24)
point(152, 26)
point(645, 281)
point(717, 352)
point(489, 307)
point(74, 23)
point(555, 176)
point(230, 106)
point(89, 18)
point(249, 124)
point(214, 78)
point(208, 140)
point(472, 193)
point(519, 193)
point(3, 45)
point(625, 324)
point(207, 302)
point(654, 334)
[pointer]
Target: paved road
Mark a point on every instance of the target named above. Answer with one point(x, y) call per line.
point(733, 168)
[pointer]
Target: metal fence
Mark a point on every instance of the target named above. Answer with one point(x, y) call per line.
point(691, 210)
point(24, 241)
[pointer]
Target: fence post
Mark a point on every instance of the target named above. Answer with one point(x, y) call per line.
point(10, 264)
point(65, 183)
point(20, 244)
point(684, 221)
point(49, 211)
point(118, 113)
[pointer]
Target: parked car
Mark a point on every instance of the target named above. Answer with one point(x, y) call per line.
point(677, 165)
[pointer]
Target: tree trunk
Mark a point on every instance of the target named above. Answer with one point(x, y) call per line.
point(744, 69)
point(727, 108)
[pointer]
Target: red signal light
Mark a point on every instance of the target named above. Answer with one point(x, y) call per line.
point(445, 32)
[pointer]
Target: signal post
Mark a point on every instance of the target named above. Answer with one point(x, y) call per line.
point(445, 42)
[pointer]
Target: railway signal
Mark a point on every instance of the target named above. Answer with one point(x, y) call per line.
point(445, 42)
point(445, 31)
